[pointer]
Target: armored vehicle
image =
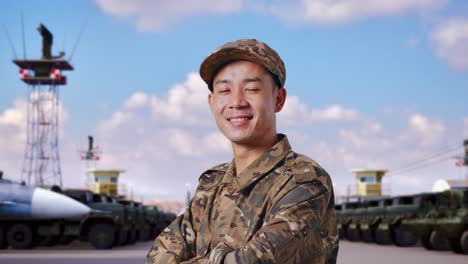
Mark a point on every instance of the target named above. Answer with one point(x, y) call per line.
point(446, 224)
point(105, 227)
point(152, 216)
point(439, 220)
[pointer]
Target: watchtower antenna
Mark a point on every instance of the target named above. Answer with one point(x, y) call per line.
point(90, 157)
point(7, 34)
point(41, 163)
point(22, 33)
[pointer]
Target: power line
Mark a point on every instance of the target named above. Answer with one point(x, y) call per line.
point(78, 40)
point(10, 41)
point(438, 154)
point(415, 167)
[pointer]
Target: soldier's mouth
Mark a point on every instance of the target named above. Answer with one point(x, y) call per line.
point(239, 119)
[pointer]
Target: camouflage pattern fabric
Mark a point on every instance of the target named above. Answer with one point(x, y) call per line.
point(243, 49)
point(280, 209)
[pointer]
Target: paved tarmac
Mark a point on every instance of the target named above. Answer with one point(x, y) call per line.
point(350, 253)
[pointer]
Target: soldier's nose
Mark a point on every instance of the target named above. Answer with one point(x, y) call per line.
point(238, 100)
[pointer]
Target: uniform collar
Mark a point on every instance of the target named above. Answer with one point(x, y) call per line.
point(263, 164)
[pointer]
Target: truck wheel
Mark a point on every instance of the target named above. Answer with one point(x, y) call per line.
point(353, 234)
point(101, 236)
point(434, 240)
point(366, 236)
point(20, 236)
point(3, 242)
point(341, 233)
point(382, 237)
point(425, 240)
point(464, 241)
point(403, 237)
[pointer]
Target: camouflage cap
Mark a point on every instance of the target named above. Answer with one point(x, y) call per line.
point(243, 49)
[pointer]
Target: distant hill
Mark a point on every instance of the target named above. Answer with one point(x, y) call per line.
point(173, 206)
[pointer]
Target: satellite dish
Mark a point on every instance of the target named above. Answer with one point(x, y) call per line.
point(440, 185)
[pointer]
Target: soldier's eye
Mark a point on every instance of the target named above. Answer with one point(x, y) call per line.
point(252, 89)
point(223, 91)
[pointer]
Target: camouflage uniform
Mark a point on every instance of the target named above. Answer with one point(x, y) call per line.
point(280, 209)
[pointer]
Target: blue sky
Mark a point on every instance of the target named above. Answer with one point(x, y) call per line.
point(367, 81)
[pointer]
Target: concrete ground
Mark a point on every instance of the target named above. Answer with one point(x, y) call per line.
point(350, 253)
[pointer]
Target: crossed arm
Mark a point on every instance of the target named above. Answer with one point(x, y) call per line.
point(291, 233)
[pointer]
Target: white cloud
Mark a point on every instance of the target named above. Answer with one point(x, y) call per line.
point(186, 143)
point(187, 102)
point(156, 15)
point(296, 113)
point(137, 100)
point(450, 40)
point(366, 143)
point(342, 11)
point(13, 128)
point(293, 111)
point(334, 112)
point(425, 130)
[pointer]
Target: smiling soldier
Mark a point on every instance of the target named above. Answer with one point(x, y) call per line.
point(269, 204)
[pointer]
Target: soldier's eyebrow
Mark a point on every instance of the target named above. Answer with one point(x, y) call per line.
point(252, 79)
point(246, 80)
point(221, 81)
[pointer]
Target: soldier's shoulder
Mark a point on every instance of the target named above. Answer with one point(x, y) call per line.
point(213, 176)
point(306, 169)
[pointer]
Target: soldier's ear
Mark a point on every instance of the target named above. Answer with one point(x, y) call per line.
point(210, 101)
point(280, 99)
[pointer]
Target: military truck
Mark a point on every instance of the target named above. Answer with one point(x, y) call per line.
point(105, 227)
point(439, 220)
point(143, 229)
point(446, 224)
point(367, 224)
point(355, 218)
point(132, 217)
point(152, 218)
point(345, 218)
point(402, 209)
point(339, 211)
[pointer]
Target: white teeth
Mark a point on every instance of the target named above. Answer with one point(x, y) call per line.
point(239, 119)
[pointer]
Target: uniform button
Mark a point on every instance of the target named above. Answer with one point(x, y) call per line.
point(230, 189)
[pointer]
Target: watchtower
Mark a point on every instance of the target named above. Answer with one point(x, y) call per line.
point(106, 181)
point(41, 163)
point(369, 182)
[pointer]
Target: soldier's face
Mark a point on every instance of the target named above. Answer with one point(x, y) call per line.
point(244, 102)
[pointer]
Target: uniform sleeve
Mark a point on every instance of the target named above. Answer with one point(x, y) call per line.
point(175, 243)
point(291, 232)
point(185, 240)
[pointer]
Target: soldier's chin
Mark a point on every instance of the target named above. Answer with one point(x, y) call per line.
point(241, 139)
